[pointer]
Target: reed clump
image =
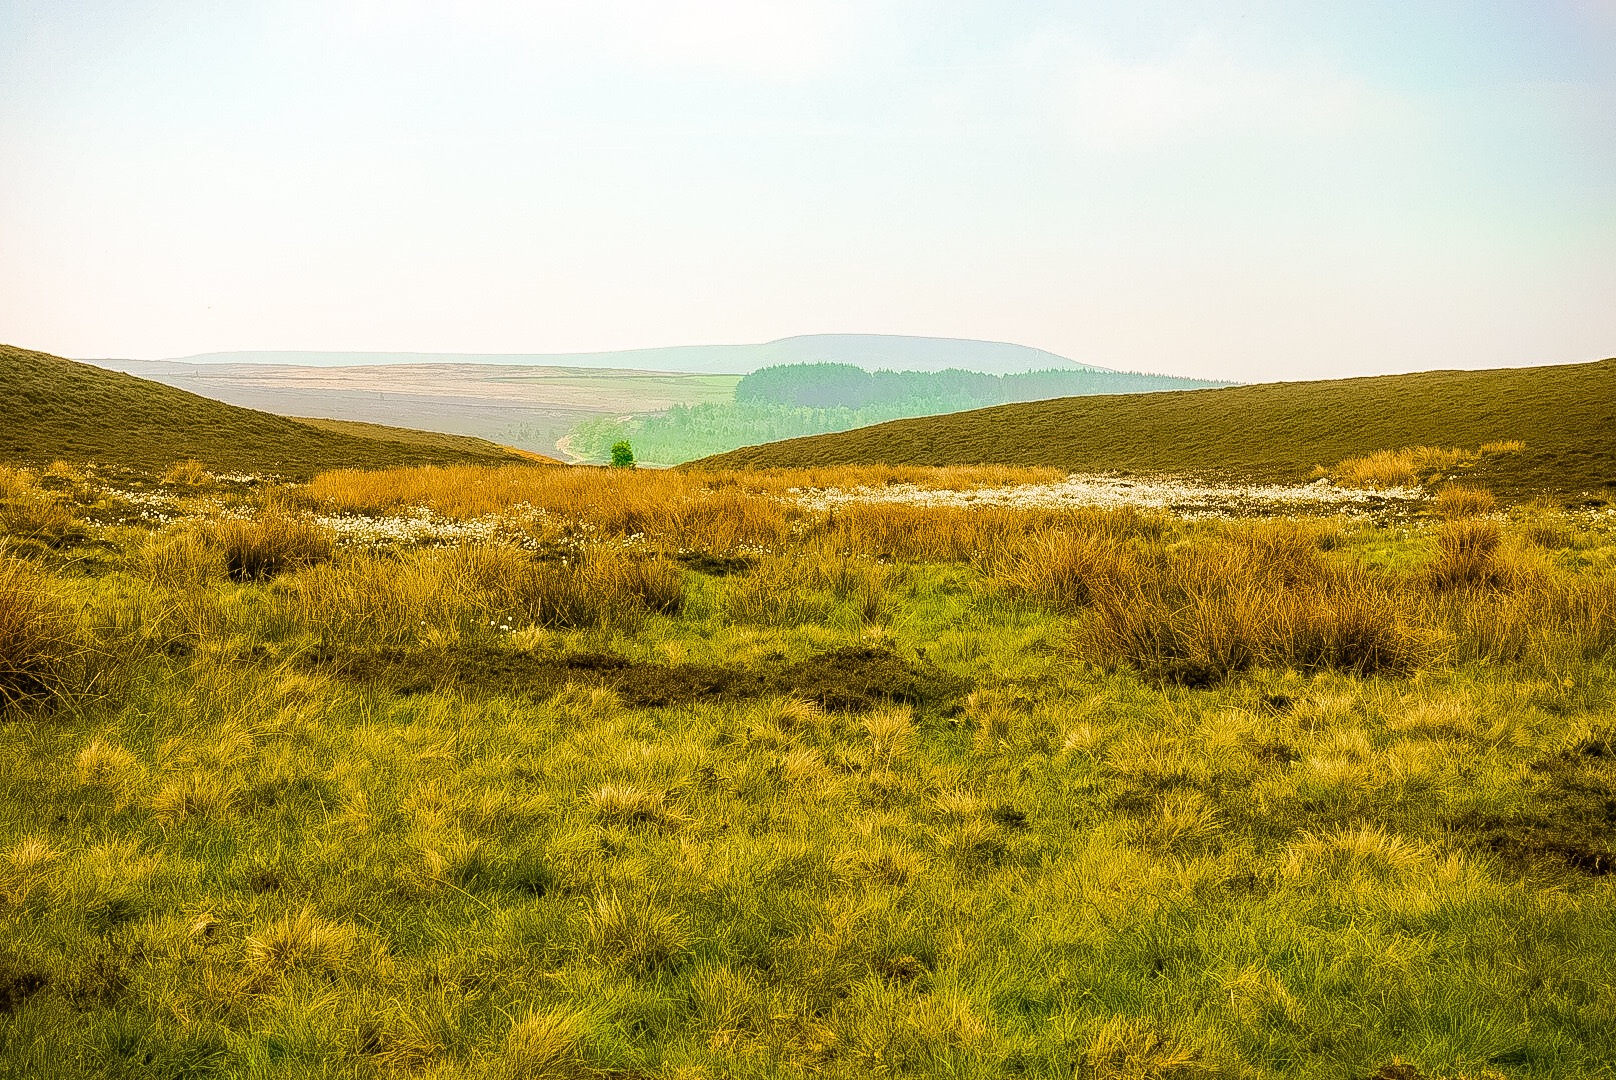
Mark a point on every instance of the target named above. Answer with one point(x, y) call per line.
point(1410, 466)
point(189, 473)
point(183, 559)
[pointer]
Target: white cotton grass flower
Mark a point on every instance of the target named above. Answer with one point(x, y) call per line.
point(1185, 497)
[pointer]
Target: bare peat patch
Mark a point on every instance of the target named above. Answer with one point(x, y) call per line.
point(851, 679)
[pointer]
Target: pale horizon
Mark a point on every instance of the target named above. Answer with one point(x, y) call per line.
point(1247, 195)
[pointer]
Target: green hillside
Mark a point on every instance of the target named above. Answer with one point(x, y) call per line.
point(62, 409)
point(791, 400)
point(1565, 414)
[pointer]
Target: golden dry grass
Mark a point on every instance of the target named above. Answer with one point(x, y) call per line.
point(272, 543)
point(1410, 466)
point(1459, 501)
point(622, 501)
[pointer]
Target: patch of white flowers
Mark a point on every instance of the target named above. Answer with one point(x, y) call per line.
point(1186, 497)
point(421, 526)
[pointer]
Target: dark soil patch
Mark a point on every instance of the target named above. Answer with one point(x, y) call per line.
point(862, 676)
point(1398, 1070)
point(855, 678)
point(1570, 823)
point(704, 562)
point(17, 985)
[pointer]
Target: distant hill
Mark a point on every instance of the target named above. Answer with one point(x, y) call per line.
point(62, 409)
point(869, 351)
point(847, 386)
point(1566, 415)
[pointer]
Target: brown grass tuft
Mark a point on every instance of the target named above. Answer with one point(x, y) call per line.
point(1469, 555)
point(40, 516)
point(183, 560)
point(301, 941)
point(891, 731)
point(41, 658)
point(268, 545)
point(1457, 501)
point(543, 1045)
point(188, 473)
point(1407, 467)
point(625, 804)
point(1200, 614)
point(109, 766)
point(199, 795)
point(641, 936)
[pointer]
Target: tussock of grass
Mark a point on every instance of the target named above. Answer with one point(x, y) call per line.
point(35, 515)
point(1407, 467)
point(273, 543)
point(452, 592)
point(41, 654)
point(543, 1044)
point(188, 473)
point(1197, 617)
point(1458, 501)
point(1470, 555)
point(301, 941)
point(184, 559)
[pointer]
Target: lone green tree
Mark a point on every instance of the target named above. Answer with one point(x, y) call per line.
point(622, 455)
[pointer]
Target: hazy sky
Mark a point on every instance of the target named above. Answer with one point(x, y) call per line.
point(1247, 190)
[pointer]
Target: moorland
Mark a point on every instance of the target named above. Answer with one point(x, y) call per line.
point(496, 768)
point(676, 404)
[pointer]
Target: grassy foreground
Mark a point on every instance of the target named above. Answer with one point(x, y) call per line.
point(655, 774)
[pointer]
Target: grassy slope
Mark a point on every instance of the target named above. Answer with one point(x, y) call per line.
point(1276, 431)
point(439, 440)
point(59, 408)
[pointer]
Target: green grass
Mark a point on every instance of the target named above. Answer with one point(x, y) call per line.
point(1274, 431)
point(599, 803)
point(62, 410)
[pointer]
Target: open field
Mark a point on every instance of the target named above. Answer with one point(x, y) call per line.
point(1273, 432)
point(602, 773)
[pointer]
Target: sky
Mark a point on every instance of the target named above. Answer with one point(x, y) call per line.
point(1226, 189)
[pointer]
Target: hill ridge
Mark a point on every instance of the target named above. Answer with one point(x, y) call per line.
point(1565, 414)
point(917, 352)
